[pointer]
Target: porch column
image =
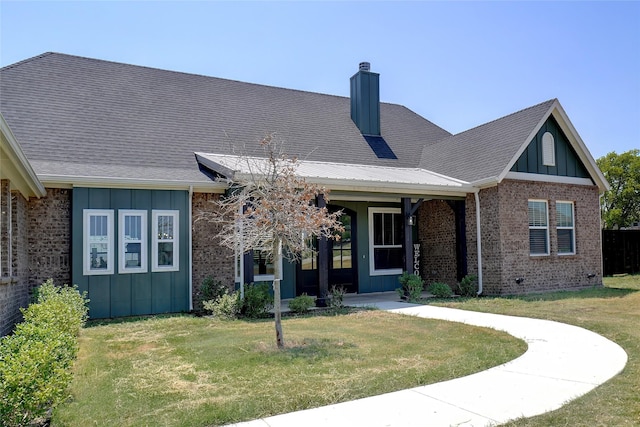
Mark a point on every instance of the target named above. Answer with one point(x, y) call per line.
point(323, 263)
point(408, 235)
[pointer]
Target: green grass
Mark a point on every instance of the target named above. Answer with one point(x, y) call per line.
point(188, 371)
point(612, 311)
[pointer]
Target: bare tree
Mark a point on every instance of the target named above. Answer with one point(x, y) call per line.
point(272, 209)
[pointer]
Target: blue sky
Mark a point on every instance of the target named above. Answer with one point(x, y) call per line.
point(458, 64)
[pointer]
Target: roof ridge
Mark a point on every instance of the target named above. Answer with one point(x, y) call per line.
point(147, 67)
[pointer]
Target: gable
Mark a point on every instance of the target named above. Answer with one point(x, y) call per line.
point(567, 162)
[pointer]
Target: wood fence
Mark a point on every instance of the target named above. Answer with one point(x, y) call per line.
point(621, 251)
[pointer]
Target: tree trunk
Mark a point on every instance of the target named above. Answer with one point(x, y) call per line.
point(277, 310)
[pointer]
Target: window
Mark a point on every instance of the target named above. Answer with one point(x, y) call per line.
point(132, 230)
point(97, 242)
point(538, 227)
point(385, 241)
point(566, 228)
point(165, 241)
point(548, 150)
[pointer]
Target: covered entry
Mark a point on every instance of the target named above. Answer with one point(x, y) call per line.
point(338, 257)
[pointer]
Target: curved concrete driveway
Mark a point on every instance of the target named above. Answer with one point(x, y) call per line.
point(561, 363)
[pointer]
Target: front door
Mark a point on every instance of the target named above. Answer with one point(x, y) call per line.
point(342, 261)
point(342, 256)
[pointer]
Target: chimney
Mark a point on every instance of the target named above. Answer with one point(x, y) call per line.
point(365, 100)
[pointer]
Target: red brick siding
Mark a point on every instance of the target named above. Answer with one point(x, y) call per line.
point(49, 224)
point(437, 237)
point(209, 258)
point(505, 239)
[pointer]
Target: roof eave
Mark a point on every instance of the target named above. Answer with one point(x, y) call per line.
point(116, 182)
point(26, 180)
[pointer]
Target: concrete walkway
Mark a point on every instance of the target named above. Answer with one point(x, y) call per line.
point(562, 363)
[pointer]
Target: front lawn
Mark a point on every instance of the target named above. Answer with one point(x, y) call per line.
point(612, 311)
point(188, 371)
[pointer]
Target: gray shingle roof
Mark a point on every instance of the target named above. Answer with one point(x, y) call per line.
point(75, 115)
point(486, 150)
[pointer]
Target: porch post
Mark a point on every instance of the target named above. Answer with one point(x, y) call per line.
point(408, 235)
point(323, 263)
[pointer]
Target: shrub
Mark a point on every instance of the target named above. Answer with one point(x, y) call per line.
point(336, 297)
point(257, 301)
point(411, 287)
point(440, 290)
point(227, 306)
point(35, 362)
point(301, 303)
point(468, 286)
point(212, 289)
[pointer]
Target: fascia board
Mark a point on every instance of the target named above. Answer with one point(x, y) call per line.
point(65, 181)
point(215, 166)
point(32, 186)
point(580, 148)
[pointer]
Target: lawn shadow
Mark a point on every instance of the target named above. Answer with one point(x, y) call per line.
point(596, 292)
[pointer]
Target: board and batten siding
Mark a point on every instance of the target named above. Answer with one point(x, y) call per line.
point(116, 295)
point(567, 162)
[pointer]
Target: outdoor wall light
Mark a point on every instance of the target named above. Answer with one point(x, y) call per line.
point(519, 280)
point(590, 276)
point(412, 220)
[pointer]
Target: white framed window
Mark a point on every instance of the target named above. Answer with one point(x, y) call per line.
point(565, 227)
point(132, 241)
point(385, 241)
point(97, 242)
point(548, 149)
point(538, 227)
point(165, 240)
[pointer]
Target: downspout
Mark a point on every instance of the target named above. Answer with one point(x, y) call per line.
point(190, 244)
point(478, 240)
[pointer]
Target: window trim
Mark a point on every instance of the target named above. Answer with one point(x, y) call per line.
point(144, 267)
point(572, 228)
point(176, 240)
point(373, 247)
point(534, 227)
point(86, 255)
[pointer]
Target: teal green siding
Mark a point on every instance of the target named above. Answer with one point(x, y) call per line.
point(116, 295)
point(567, 161)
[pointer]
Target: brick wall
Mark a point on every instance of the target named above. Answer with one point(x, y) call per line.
point(49, 224)
point(14, 283)
point(437, 237)
point(209, 258)
point(505, 239)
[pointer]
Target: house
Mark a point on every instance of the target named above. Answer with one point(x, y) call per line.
point(129, 155)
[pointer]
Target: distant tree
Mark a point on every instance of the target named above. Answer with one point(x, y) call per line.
point(620, 206)
point(273, 210)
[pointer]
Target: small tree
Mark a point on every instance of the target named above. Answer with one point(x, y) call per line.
point(620, 206)
point(271, 209)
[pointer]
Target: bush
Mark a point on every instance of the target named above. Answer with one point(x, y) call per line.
point(336, 297)
point(35, 362)
point(257, 301)
point(227, 306)
point(440, 290)
point(468, 286)
point(301, 303)
point(212, 289)
point(411, 287)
